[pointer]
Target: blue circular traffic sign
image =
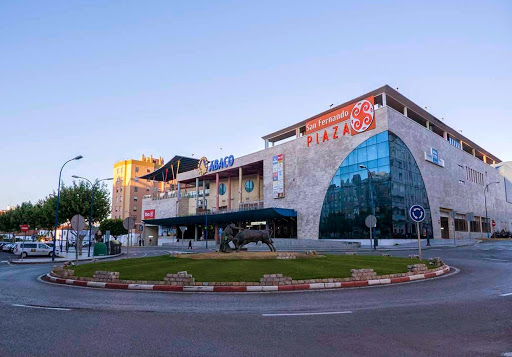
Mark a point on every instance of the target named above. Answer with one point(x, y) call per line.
point(417, 213)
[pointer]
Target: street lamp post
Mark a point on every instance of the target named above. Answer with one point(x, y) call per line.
point(371, 198)
point(57, 209)
point(486, 216)
point(93, 186)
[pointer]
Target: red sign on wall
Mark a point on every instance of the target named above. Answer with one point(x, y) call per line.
point(24, 227)
point(350, 120)
point(149, 214)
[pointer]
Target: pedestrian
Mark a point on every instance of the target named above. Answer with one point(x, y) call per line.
point(190, 244)
point(149, 241)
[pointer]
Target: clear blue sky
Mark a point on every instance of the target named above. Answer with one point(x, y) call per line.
point(112, 80)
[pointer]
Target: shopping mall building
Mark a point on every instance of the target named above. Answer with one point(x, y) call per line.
point(320, 179)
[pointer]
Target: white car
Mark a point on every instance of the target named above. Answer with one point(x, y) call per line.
point(26, 249)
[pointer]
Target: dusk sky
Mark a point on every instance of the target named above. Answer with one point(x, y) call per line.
point(112, 80)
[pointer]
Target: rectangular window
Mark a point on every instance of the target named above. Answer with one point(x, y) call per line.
point(135, 198)
point(148, 171)
point(135, 189)
point(135, 208)
point(136, 169)
point(461, 225)
point(136, 179)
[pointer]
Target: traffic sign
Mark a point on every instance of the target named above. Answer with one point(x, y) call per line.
point(417, 213)
point(128, 223)
point(493, 223)
point(77, 222)
point(371, 221)
point(24, 227)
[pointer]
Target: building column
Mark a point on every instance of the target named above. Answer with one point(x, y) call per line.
point(266, 143)
point(229, 193)
point(195, 232)
point(297, 133)
point(384, 99)
point(405, 111)
point(445, 135)
point(239, 186)
point(217, 191)
point(216, 235)
point(258, 186)
point(179, 191)
point(427, 125)
point(197, 196)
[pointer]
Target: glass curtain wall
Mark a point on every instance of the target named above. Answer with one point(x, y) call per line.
point(396, 183)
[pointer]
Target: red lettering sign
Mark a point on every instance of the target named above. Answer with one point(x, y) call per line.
point(149, 214)
point(359, 118)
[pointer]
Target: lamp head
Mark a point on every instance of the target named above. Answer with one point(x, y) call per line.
point(75, 176)
point(362, 166)
point(78, 157)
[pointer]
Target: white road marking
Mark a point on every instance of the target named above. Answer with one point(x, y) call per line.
point(309, 313)
point(42, 307)
point(507, 354)
point(507, 294)
point(497, 260)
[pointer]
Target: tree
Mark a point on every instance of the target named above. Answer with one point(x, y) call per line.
point(76, 199)
point(115, 226)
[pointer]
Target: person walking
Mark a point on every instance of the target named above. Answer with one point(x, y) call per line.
point(190, 244)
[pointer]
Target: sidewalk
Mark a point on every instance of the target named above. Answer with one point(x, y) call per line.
point(64, 257)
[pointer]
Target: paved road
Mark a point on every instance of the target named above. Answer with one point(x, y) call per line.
point(462, 314)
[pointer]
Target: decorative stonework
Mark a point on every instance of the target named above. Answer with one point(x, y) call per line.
point(182, 278)
point(275, 279)
point(363, 274)
point(417, 268)
point(286, 256)
point(106, 276)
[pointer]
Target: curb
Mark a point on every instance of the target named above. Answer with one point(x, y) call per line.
point(25, 262)
point(244, 289)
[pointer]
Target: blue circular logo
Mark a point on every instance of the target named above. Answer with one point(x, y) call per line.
point(417, 213)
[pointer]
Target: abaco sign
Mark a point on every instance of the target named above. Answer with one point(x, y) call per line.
point(204, 166)
point(149, 214)
point(350, 120)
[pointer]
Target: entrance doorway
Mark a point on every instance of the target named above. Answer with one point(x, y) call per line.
point(445, 228)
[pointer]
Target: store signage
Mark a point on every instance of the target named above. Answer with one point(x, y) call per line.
point(351, 120)
point(149, 214)
point(433, 157)
point(204, 166)
point(278, 176)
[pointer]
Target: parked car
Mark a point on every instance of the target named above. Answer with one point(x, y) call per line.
point(8, 247)
point(32, 249)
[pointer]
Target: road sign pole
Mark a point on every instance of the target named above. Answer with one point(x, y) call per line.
point(419, 241)
point(23, 245)
point(371, 237)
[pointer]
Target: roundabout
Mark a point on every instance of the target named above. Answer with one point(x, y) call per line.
point(466, 314)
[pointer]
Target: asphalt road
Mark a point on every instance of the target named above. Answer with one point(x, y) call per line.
point(463, 314)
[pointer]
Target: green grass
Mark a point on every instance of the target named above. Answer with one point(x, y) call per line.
point(330, 266)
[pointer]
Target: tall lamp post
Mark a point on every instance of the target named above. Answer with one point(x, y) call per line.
point(371, 198)
point(92, 203)
point(57, 209)
point(485, 200)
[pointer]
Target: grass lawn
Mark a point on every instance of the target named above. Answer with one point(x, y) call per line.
point(330, 266)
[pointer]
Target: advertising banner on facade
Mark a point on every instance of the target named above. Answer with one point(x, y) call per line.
point(351, 120)
point(149, 214)
point(278, 176)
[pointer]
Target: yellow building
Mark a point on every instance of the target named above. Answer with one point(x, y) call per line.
point(128, 190)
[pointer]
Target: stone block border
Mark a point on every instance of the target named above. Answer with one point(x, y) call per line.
point(248, 288)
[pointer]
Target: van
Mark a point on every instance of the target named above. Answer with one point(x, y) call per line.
point(33, 249)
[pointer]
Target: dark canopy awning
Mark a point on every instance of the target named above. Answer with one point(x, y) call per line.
point(226, 218)
point(165, 172)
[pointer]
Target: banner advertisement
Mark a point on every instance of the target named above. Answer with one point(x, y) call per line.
point(278, 176)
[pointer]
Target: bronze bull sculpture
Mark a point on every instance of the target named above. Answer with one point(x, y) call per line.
point(252, 236)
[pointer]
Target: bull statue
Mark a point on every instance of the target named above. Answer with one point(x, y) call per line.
point(227, 236)
point(252, 236)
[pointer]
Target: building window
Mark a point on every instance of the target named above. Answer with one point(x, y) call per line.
point(461, 225)
point(135, 198)
point(222, 189)
point(135, 189)
point(136, 169)
point(249, 185)
point(474, 226)
point(134, 208)
point(485, 225)
point(348, 200)
point(148, 171)
point(136, 179)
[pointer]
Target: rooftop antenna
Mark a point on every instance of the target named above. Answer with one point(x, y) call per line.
point(330, 106)
point(396, 89)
